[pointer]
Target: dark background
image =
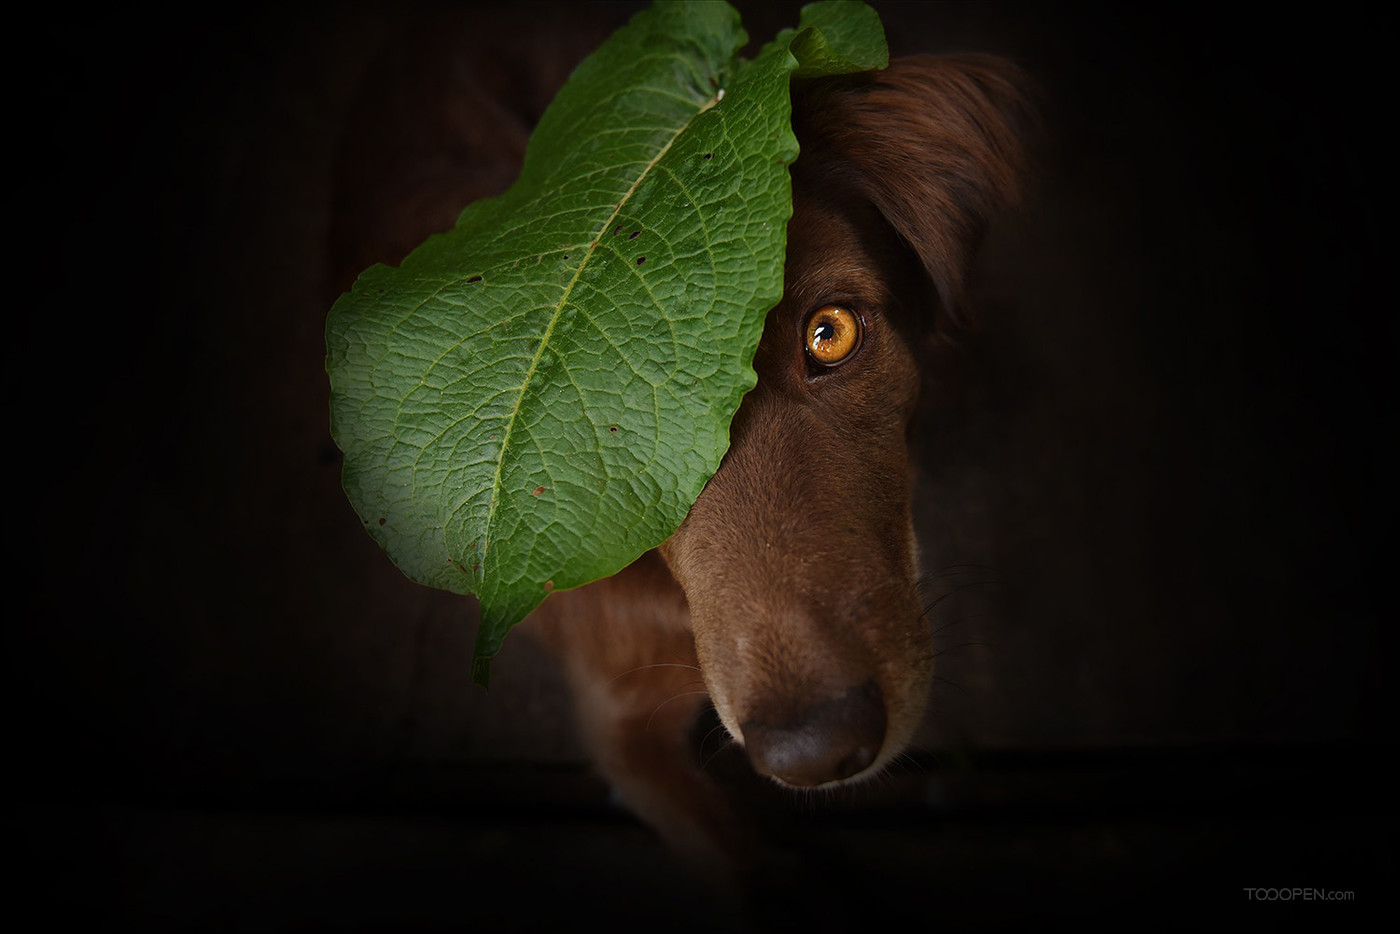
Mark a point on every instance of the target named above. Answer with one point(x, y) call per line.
point(1165, 474)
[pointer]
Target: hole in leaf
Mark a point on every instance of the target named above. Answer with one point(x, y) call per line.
point(641, 259)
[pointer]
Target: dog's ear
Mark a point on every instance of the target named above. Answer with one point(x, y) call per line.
point(935, 143)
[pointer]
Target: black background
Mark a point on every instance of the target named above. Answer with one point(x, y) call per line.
point(1176, 452)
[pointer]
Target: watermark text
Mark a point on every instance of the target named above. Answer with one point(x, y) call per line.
point(1299, 894)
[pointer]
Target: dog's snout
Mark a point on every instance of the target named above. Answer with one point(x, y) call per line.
point(834, 740)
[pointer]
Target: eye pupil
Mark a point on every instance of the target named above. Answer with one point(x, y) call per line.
point(833, 335)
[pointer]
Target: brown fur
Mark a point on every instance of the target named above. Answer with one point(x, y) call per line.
point(789, 596)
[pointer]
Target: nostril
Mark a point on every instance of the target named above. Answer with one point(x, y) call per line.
point(831, 741)
point(857, 761)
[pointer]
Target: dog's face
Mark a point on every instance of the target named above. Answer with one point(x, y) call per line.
point(798, 560)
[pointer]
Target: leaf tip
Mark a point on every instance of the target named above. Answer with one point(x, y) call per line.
point(481, 672)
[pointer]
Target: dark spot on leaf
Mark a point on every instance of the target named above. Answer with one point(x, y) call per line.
point(641, 259)
point(472, 546)
point(709, 155)
point(613, 429)
point(566, 255)
point(537, 491)
point(382, 520)
point(549, 585)
point(633, 235)
point(477, 566)
point(461, 567)
point(617, 231)
point(474, 279)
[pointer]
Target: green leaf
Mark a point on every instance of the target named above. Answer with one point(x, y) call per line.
point(533, 399)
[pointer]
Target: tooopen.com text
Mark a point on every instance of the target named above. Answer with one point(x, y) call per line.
point(1298, 894)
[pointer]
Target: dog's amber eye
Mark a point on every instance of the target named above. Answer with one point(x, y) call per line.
point(833, 334)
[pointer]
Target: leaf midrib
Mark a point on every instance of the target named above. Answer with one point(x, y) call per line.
point(487, 537)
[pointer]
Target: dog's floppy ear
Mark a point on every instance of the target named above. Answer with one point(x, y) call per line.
point(935, 143)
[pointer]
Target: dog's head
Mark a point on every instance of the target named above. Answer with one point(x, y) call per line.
point(798, 560)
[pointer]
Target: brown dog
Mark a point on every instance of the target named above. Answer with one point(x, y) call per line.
point(789, 597)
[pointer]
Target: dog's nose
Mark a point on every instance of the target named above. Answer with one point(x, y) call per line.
point(834, 740)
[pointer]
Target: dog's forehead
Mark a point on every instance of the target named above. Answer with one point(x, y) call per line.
point(838, 251)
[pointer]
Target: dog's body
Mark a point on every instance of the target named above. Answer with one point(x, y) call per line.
point(789, 598)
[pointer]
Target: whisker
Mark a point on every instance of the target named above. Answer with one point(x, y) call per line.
point(952, 623)
point(633, 671)
point(961, 565)
point(940, 581)
point(961, 645)
point(964, 690)
point(657, 708)
point(918, 757)
point(951, 592)
point(727, 742)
